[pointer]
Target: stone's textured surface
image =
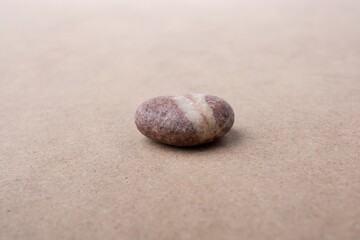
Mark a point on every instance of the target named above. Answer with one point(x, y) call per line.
point(187, 120)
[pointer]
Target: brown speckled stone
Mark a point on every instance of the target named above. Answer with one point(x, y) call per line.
point(187, 120)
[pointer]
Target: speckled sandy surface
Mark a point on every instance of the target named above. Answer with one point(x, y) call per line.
point(74, 166)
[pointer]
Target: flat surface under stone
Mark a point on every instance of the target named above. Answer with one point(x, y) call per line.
point(74, 166)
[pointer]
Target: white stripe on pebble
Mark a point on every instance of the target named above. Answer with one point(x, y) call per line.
point(195, 109)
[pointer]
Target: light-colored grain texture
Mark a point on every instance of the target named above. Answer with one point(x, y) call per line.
point(74, 166)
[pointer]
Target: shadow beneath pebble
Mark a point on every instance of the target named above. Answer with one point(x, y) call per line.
point(231, 139)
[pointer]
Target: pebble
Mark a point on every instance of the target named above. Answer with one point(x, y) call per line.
point(187, 120)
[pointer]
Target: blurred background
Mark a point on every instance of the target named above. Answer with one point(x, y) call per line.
point(73, 166)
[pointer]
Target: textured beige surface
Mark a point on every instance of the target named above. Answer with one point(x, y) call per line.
point(73, 165)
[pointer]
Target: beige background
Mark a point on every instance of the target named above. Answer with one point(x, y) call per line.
point(73, 165)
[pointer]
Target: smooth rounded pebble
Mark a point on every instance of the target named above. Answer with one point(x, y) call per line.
point(187, 120)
